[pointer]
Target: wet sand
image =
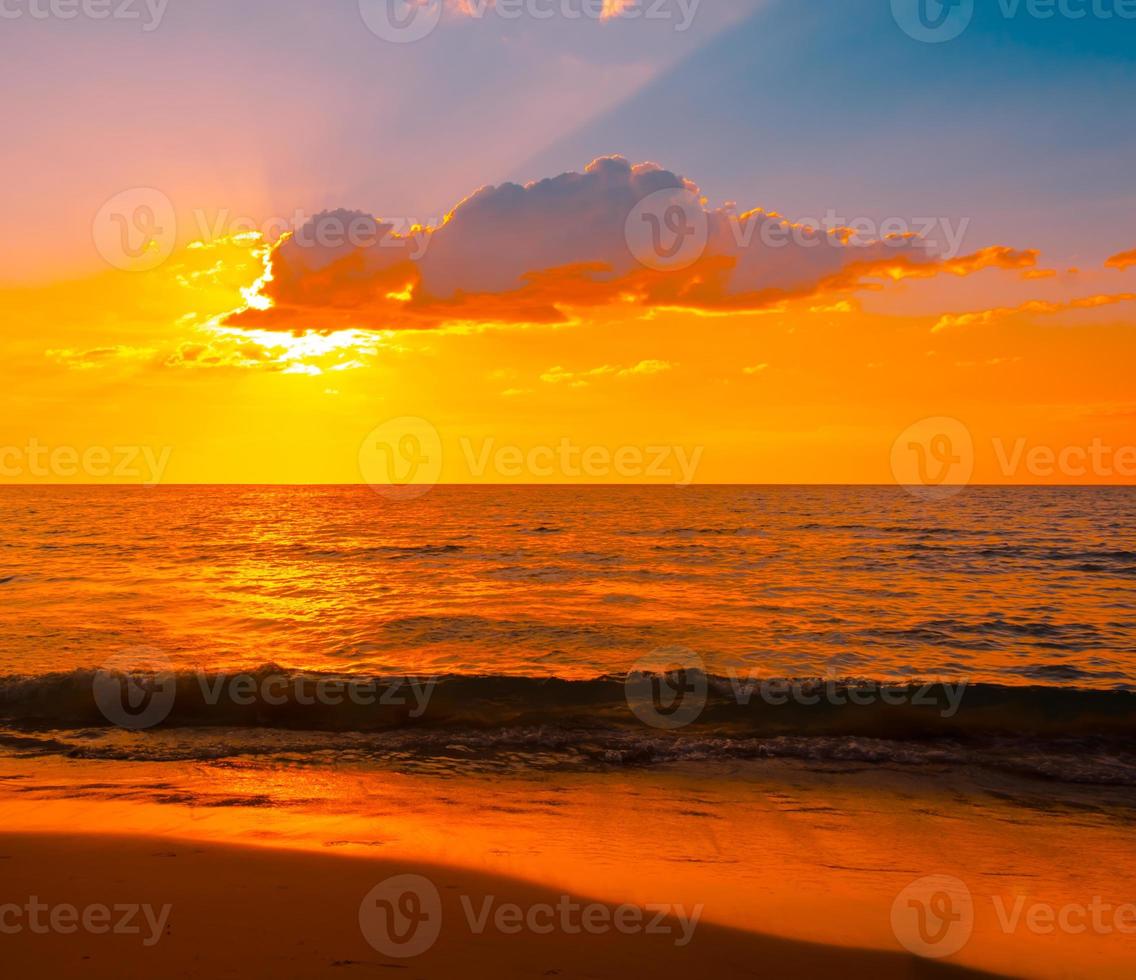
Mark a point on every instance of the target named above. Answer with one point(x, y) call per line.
point(252, 912)
point(821, 857)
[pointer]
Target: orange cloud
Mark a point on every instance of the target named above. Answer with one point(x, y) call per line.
point(616, 233)
point(581, 379)
point(613, 8)
point(1037, 306)
point(98, 356)
point(1122, 260)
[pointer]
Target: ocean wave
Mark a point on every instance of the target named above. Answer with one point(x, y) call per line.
point(735, 706)
point(1085, 760)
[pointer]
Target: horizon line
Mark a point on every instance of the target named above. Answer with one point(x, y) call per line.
point(380, 487)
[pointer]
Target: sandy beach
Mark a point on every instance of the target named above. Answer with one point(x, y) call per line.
point(258, 912)
point(772, 869)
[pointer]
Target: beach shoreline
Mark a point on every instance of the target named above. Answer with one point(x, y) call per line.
point(825, 857)
point(253, 911)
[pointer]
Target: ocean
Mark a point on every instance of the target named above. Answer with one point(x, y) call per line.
point(517, 628)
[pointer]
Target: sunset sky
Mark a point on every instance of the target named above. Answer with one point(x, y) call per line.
point(989, 275)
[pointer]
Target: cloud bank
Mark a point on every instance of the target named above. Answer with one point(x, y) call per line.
point(534, 254)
